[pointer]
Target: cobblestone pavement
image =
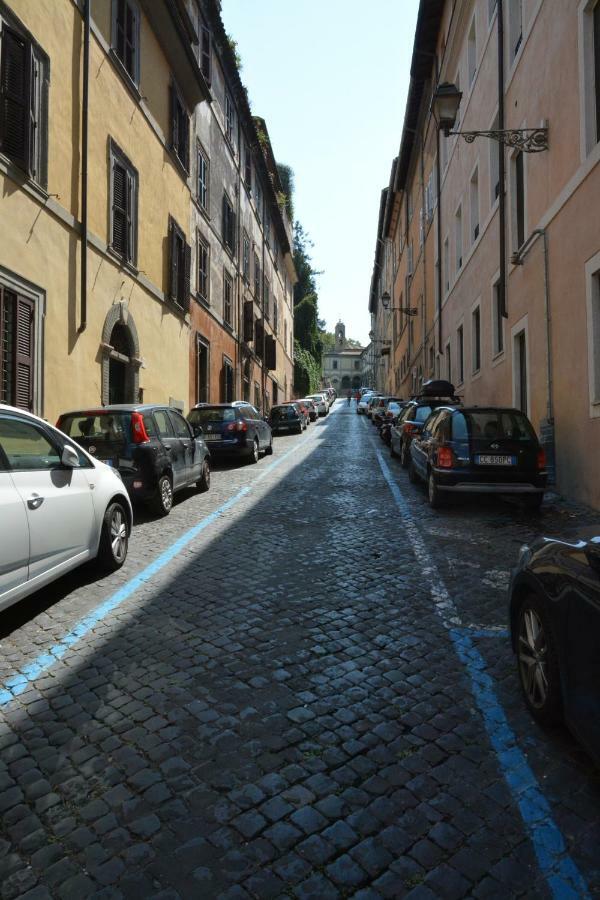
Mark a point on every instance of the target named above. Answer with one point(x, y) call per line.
point(280, 710)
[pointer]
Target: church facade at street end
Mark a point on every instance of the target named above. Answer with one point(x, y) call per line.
point(343, 366)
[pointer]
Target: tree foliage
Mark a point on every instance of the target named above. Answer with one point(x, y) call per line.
point(307, 372)
point(286, 177)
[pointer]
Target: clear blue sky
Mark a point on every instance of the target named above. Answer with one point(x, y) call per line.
point(330, 78)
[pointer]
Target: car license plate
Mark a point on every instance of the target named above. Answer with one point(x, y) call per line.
point(489, 460)
point(212, 437)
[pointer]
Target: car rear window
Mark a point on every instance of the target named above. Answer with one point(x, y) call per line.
point(422, 413)
point(211, 414)
point(97, 427)
point(493, 425)
point(283, 412)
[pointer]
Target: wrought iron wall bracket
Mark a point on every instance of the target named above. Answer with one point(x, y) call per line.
point(529, 140)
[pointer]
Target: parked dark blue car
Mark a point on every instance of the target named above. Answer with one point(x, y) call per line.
point(232, 429)
point(554, 614)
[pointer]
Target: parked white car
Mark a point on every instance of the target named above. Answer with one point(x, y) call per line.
point(59, 507)
point(320, 403)
point(363, 403)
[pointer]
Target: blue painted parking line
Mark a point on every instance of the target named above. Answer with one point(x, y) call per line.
point(19, 682)
point(562, 875)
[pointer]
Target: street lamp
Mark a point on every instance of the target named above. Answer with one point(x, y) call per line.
point(407, 310)
point(444, 107)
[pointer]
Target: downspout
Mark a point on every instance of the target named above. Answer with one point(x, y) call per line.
point(423, 261)
point(84, 163)
point(501, 166)
point(438, 175)
point(262, 309)
point(547, 427)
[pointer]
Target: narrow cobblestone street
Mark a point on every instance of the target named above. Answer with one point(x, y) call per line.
point(290, 700)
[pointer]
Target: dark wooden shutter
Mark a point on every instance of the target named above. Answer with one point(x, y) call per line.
point(130, 217)
point(120, 212)
point(224, 218)
point(184, 137)
point(174, 122)
point(15, 97)
point(270, 352)
point(24, 337)
point(248, 321)
point(173, 267)
point(223, 384)
point(186, 278)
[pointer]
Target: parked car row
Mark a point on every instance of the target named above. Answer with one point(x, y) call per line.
point(67, 491)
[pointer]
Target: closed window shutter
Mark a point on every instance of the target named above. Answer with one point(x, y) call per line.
point(15, 99)
point(174, 122)
point(223, 384)
point(24, 337)
point(184, 137)
point(129, 217)
point(121, 218)
point(224, 219)
point(248, 321)
point(186, 279)
point(173, 261)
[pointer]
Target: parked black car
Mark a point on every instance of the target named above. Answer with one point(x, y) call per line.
point(416, 412)
point(286, 419)
point(232, 429)
point(491, 450)
point(152, 446)
point(554, 615)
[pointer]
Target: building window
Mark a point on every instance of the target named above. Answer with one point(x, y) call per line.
point(256, 278)
point(448, 362)
point(476, 338)
point(268, 229)
point(205, 52)
point(458, 232)
point(472, 52)
point(257, 403)
point(474, 198)
point(259, 210)
point(228, 225)
point(596, 20)
point(520, 372)
point(446, 262)
point(24, 80)
point(228, 298)
point(227, 381)
point(229, 118)
point(592, 270)
point(248, 167)
point(266, 298)
point(515, 25)
point(180, 129)
point(275, 316)
point(246, 257)
point(203, 266)
point(179, 266)
point(494, 166)
point(203, 178)
point(123, 206)
point(126, 36)
point(357, 364)
point(334, 364)
point(17, 333)
point(518, 204)
point(202, 370)
point(285, 346)
point(460, 347)
point(498, 321)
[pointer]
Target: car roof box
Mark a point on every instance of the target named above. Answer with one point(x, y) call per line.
point(437, 387)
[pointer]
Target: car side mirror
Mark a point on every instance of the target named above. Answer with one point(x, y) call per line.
point(69, 457)
point(198, 430)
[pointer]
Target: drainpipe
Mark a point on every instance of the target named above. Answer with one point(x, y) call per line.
point(84, 163)
point(423, 261)
point(438, 177)
point(547, 426)
point(501, 165)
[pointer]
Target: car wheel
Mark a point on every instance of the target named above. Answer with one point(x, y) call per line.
point(413, 476)
point(433, 492)
point(114, 538)
point(269, 450)
point(533, 502)
point(203, 483)
point(537, 662)
point(163, 499)
point(255, 453)
point(404, 455)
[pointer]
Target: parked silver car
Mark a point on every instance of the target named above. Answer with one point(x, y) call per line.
point(59, 507)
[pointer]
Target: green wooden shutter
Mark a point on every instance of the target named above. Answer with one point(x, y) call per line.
point(15, 97)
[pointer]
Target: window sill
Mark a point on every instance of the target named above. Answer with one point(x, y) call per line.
point(123, 263)
point(498, 357)
point(201, 209)
point(125, 76)
point(177, 163)
point(203, 301)
point(228, 326)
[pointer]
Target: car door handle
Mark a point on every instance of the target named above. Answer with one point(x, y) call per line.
point(35, 501)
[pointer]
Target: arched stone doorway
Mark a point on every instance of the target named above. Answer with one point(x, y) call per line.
point(356, 381)
point(345, 382)
point(120, 357)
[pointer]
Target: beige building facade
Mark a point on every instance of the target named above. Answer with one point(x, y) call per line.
point(534, 345)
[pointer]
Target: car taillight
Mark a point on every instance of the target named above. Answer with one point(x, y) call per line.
point(409, 428)
point(237, 426)
point(138, 429)
point(444, 459)
point(541, 458)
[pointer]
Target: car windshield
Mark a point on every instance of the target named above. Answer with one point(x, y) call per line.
point(211, 414)
point(98, 427)
point(422, 413)
point(493, 424)
point(283, 412)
